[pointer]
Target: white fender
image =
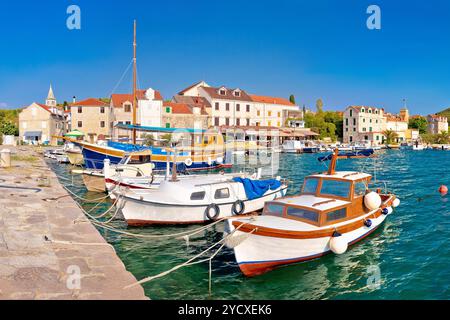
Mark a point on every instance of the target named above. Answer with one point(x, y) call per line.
point(396, 202)
point(188, 162)
point(219, 160)
point(372, 200)
point(338, 244)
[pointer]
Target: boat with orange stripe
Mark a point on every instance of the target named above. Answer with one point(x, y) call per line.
point(334, 210)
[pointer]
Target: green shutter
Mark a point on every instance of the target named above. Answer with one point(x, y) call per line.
point(167, 125)
point(167, 109)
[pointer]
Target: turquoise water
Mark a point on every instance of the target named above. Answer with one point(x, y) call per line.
point(411, 251)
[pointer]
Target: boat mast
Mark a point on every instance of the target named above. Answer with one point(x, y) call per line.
point(134, 84)
point(332, 168)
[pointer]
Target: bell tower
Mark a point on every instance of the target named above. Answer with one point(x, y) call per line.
point(50, 101)
point(404, 113)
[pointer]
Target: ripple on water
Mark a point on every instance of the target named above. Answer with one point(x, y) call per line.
point(410, 250)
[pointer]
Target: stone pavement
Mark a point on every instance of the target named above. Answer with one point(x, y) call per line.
point(32, 267)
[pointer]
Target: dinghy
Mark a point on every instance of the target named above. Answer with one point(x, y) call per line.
point(333, 211)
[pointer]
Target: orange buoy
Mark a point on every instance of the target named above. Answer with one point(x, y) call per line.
point(443, 190)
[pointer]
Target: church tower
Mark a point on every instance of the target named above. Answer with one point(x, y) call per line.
point(404, 113)
point(50, 101)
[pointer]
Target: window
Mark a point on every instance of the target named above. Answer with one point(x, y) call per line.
point(258, 113)
point(238, 122)
point(80, 124)
point(216, 121)
point(364, 120)
point(274, 209)
point(102, 109)
point(335, 188)
point(354, 129)
point(198, 195)
point(366, 137)
point(222, 193)
point(167, 109)
point(278, 124)
point(237, 94)
point(248, 108)
point(269, 123)
point(346, 121)
point(303, 214)
point(351, 113)
point(167, 125)
point(222, 92)
point(269, 113)
point(128, 122)
point(364, 129)
point(248, 122)
point(102, 124)
point(336, 215)
point(279, 114)
point(127, 107)
point(370, 111)
point(227, 106)
point(360, 189)
point(257, 124)
point(310, 185)
point(370, 129)
point(362, 109)
point(217, 105)
point(354, 121)
point(351, 138)
point(80, 110)
point(227, 121)
point(378, 137)
point(238, 107)
point(346, 129)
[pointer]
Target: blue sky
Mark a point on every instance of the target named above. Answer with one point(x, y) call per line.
point(311, 49)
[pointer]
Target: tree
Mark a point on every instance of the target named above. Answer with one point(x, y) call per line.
point(319, 105)
point(8, 128)
point(326, 124)
point(442, 138)
point(419, 123)
point(292, 99)
point(166, 140)
point(149, 140)
point(390, 136)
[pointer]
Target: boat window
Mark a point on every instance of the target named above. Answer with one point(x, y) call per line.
point(198, 195)
point(303, 214)
point(336, 215)
point(222, 193)
point(274, 209)
point(310, 185)
point(360, 189)
point(335, 188)
point(139, 160)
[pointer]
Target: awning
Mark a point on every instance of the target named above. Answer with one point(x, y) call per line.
point(74, 133)
point(158, 129)
point(33, 134)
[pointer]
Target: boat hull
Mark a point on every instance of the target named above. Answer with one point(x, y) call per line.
point(75, 158)
point(140, 213)
point(94, 182)
point(259, 254)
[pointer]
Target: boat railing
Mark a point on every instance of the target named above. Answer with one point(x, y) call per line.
point(378, 183)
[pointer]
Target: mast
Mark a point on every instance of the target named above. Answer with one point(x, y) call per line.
point(134, 84)
point(332, 167)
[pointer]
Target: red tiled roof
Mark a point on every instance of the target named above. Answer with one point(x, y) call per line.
point(213, 93)
point(190, 87)
point(43, 106)
point(272, 100)
point(90, 102)
point(119, 98)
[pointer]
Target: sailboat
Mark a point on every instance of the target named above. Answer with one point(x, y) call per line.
point(204, 157)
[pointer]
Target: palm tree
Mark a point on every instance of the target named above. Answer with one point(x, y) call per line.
point(390, 136)
point(443, 137)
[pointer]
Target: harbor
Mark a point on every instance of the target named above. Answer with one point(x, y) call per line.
point(392, 250)
point(45, 239)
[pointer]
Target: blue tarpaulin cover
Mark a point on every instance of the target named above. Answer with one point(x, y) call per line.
point(256, 188)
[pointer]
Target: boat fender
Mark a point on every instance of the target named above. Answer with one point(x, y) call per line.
point(396, 202)
point(368, 223)
point(238, 207)
point(188, 162)
point(387, 210)
point(372, 200)
point(338, 244)
point(216, 210)
point(219, 160)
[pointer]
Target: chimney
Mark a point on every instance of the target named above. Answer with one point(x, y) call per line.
point(74, 99)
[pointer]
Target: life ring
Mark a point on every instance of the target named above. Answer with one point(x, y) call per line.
point(219, 160)
point(188, 162)
point(238, 204)
point(216, 209)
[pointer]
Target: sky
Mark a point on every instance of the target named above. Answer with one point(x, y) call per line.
point(312, 49)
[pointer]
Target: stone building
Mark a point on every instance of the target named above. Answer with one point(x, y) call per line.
point(437, 124)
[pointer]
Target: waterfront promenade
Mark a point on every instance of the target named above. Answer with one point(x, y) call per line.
point(48, 248)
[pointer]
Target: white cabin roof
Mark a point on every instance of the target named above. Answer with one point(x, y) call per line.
point(346, 175)
point(309, 201)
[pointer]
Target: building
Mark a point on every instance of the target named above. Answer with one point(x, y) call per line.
point(437, 124)
point(183, 115)
point(93, 117)
point(41, 123)
point(235, 107)
point(367, 124)
point(148, 112)
point(363, 124)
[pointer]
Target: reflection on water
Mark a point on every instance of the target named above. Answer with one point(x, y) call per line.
point(410, 250)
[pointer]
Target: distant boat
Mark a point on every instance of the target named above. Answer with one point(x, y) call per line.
point(349, 155)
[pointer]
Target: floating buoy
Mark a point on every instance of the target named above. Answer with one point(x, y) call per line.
point(368, 223)
point(396, 202)
point(188, 162)
point(338, 244)
point(443, 190)
point(372, 200)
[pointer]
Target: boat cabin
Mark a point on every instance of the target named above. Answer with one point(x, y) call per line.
point(324, 199)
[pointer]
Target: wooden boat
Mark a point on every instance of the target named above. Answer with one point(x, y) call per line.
point(296, 146)
point(75, 156)
point(199, 199)
point(333, 211)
